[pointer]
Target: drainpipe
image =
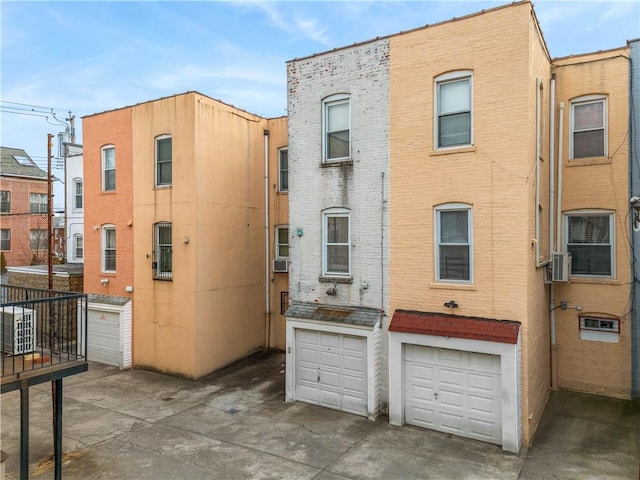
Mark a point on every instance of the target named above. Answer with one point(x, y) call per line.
point(552, 194)
point(538, 134)
point(382, 242)
point(267, 269)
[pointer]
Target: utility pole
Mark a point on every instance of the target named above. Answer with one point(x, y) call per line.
point(50, 216)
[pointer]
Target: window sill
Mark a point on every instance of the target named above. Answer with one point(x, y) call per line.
point(452, 150)
point(453, 286)
point(582, 162)
point(336, 163)
point(162, 187)
point(283, 192)
point(107, 192)
point(594, 280)
point(330, 279)
point(161, 279)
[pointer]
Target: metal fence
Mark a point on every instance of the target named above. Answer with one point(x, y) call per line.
point(41, 329)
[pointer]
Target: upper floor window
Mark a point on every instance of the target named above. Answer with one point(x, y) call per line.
point(453, 241)
point(78, 194)
point(283, 170)
point(337, 128)
point(108, 248)
point(163, 160)
point(336, 243)
point(588, 127)
point(590, 241)
point(38, 240)
point(78, 246)
point(454, 100)
point(108, 168)
point(5, 239)
point(163, 251)
point(5, 201)
point(38, 203)
point(282, 242)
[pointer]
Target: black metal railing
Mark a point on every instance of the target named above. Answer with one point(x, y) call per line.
point(40, 329)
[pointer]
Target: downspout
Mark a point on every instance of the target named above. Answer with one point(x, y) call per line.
point(382, 242)
point(552, 194)
point(267, 267)
point(537, 206)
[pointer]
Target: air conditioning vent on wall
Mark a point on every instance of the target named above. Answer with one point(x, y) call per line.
point(280, 266)
point(18, 330)
point(561, 267)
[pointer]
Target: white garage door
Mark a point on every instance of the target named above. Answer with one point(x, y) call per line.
point(331, 370)
point(103, 338)
point(453, 391)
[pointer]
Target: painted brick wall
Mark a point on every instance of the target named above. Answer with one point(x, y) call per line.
point(361, 71)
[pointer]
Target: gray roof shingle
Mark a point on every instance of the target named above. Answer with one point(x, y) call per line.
point(15, 162)
point(362, 316)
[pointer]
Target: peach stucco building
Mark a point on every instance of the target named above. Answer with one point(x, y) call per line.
point(188, 222)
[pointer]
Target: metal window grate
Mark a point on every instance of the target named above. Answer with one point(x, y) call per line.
point(284, 302)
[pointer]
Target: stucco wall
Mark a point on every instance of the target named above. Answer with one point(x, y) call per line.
point(597, 183)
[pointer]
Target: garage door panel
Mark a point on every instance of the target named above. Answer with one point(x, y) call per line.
point(330, 359)
point(420, 416)
point(482, 383)
point(483, 405)
point(424, 374)
point(444, 392)
point(331, 370)
point(451, 378)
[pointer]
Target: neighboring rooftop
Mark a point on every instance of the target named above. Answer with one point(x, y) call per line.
point(15, 162)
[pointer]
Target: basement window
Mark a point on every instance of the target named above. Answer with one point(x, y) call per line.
point(599, 329)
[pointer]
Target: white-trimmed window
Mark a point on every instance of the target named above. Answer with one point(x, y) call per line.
point(453, 109)
point(283, 170)
point(108, 168)
point(5, 201)
point(38, 240)
point(38, 203)
point(164, 160)
point(108, 248)
point(589, 238)
point(282, 242)
point(78, 246)
point(336, 112)
point(336, 243)
point(454, 243)
point(78, 194)
point(163, 251)
point(588, 127)
point(5, 239)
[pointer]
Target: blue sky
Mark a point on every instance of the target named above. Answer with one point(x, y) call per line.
point(87, 57)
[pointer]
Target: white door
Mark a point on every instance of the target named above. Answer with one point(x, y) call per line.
point(453, 391)
point(103, 337)
point(331, 370)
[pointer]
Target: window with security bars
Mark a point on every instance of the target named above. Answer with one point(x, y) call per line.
point(38, 203)
point(163, 251)
point(589, 240)
point(5, 201)
point(454, 252)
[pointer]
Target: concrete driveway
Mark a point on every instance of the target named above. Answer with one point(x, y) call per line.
point(234, 424)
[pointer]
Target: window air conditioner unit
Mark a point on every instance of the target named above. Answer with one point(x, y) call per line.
point(18, 330)
point(280, 266)
point(561, 267)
